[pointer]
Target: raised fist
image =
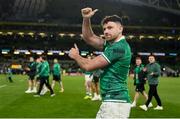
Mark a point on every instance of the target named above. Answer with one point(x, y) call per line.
point(88, 12)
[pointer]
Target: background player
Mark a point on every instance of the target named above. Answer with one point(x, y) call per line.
point(57, 75)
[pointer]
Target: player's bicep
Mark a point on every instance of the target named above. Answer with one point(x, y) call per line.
point(97, 42)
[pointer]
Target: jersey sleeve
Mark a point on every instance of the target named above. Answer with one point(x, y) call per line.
point(113, 53)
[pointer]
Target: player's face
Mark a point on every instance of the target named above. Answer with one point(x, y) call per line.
point(38, 60)
point(112, 30)
point(151, 59)
point(138, 62)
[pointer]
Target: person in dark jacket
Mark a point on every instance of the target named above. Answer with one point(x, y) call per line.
point(154, 72)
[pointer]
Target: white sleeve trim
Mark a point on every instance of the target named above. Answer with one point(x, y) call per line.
point(105, 57)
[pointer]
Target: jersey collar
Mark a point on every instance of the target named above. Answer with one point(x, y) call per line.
point(122, 37)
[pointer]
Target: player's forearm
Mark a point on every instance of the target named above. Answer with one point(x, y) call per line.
point(82, 62)
point(87, 29)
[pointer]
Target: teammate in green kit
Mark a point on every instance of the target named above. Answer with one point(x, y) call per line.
point(9, 74)
point(114, 61)
point(31, 72)
point(38, 69)
point(57, 75)
point(87, 83)
point(44, 76)
point(140, 77)
point(95, 85)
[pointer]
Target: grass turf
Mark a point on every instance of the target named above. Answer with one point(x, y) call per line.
point(70, 104)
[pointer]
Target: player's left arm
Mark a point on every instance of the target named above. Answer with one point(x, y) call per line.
point(85, 63)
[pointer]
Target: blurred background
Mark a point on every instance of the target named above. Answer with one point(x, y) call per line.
point(51, 27)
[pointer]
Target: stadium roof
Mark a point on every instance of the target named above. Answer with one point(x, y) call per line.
point(134, 12)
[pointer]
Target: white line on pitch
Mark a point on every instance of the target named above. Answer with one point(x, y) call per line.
point(3, 86)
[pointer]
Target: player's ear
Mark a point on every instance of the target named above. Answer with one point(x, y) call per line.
point(121, 28)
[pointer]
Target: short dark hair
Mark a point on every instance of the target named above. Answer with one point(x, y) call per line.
point(151, 55)
point(113, 18)
point(43, 57)
point(138, 58)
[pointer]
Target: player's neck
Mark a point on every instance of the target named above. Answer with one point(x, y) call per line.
point(120, 37)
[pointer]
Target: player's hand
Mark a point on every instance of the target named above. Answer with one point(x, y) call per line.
point(74, 52)
point(88, 12)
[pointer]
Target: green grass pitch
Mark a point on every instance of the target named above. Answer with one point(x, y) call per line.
point(14, 103)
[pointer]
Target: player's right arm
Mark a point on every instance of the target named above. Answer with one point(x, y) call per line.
point(88, 34)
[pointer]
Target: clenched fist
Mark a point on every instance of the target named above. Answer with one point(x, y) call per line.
point(88, 12)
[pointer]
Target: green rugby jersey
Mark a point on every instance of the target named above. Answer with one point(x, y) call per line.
point(87, 73)
point(38, 67)
point(56, 69)
point(137, 70)
point(44, 69)
point(113, 81)
point(32, 66)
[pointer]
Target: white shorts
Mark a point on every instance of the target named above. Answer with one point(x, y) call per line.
point(113, 110)
point(88, 77)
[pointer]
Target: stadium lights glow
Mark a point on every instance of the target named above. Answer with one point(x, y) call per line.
point(1, 33)
point(61, 34)
point(49, 53)
point(151, 37)
point(16, 52)
point(9, 33)
point(144, 53)
point(61, 53)
point(67, 52)
point(4, 52)
point(84, 53)
point(173, 54)
point(169, 37)
point(97, 52)
point(141, 37)
point(131, 36)
point(161, 37)
point(31, 33)
point(42, 34)
point(27, 53)
point(39, 53)
point(22, 51)
point(71, 34)
point(179, 38)
point(159, 54)
point(21, 33)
